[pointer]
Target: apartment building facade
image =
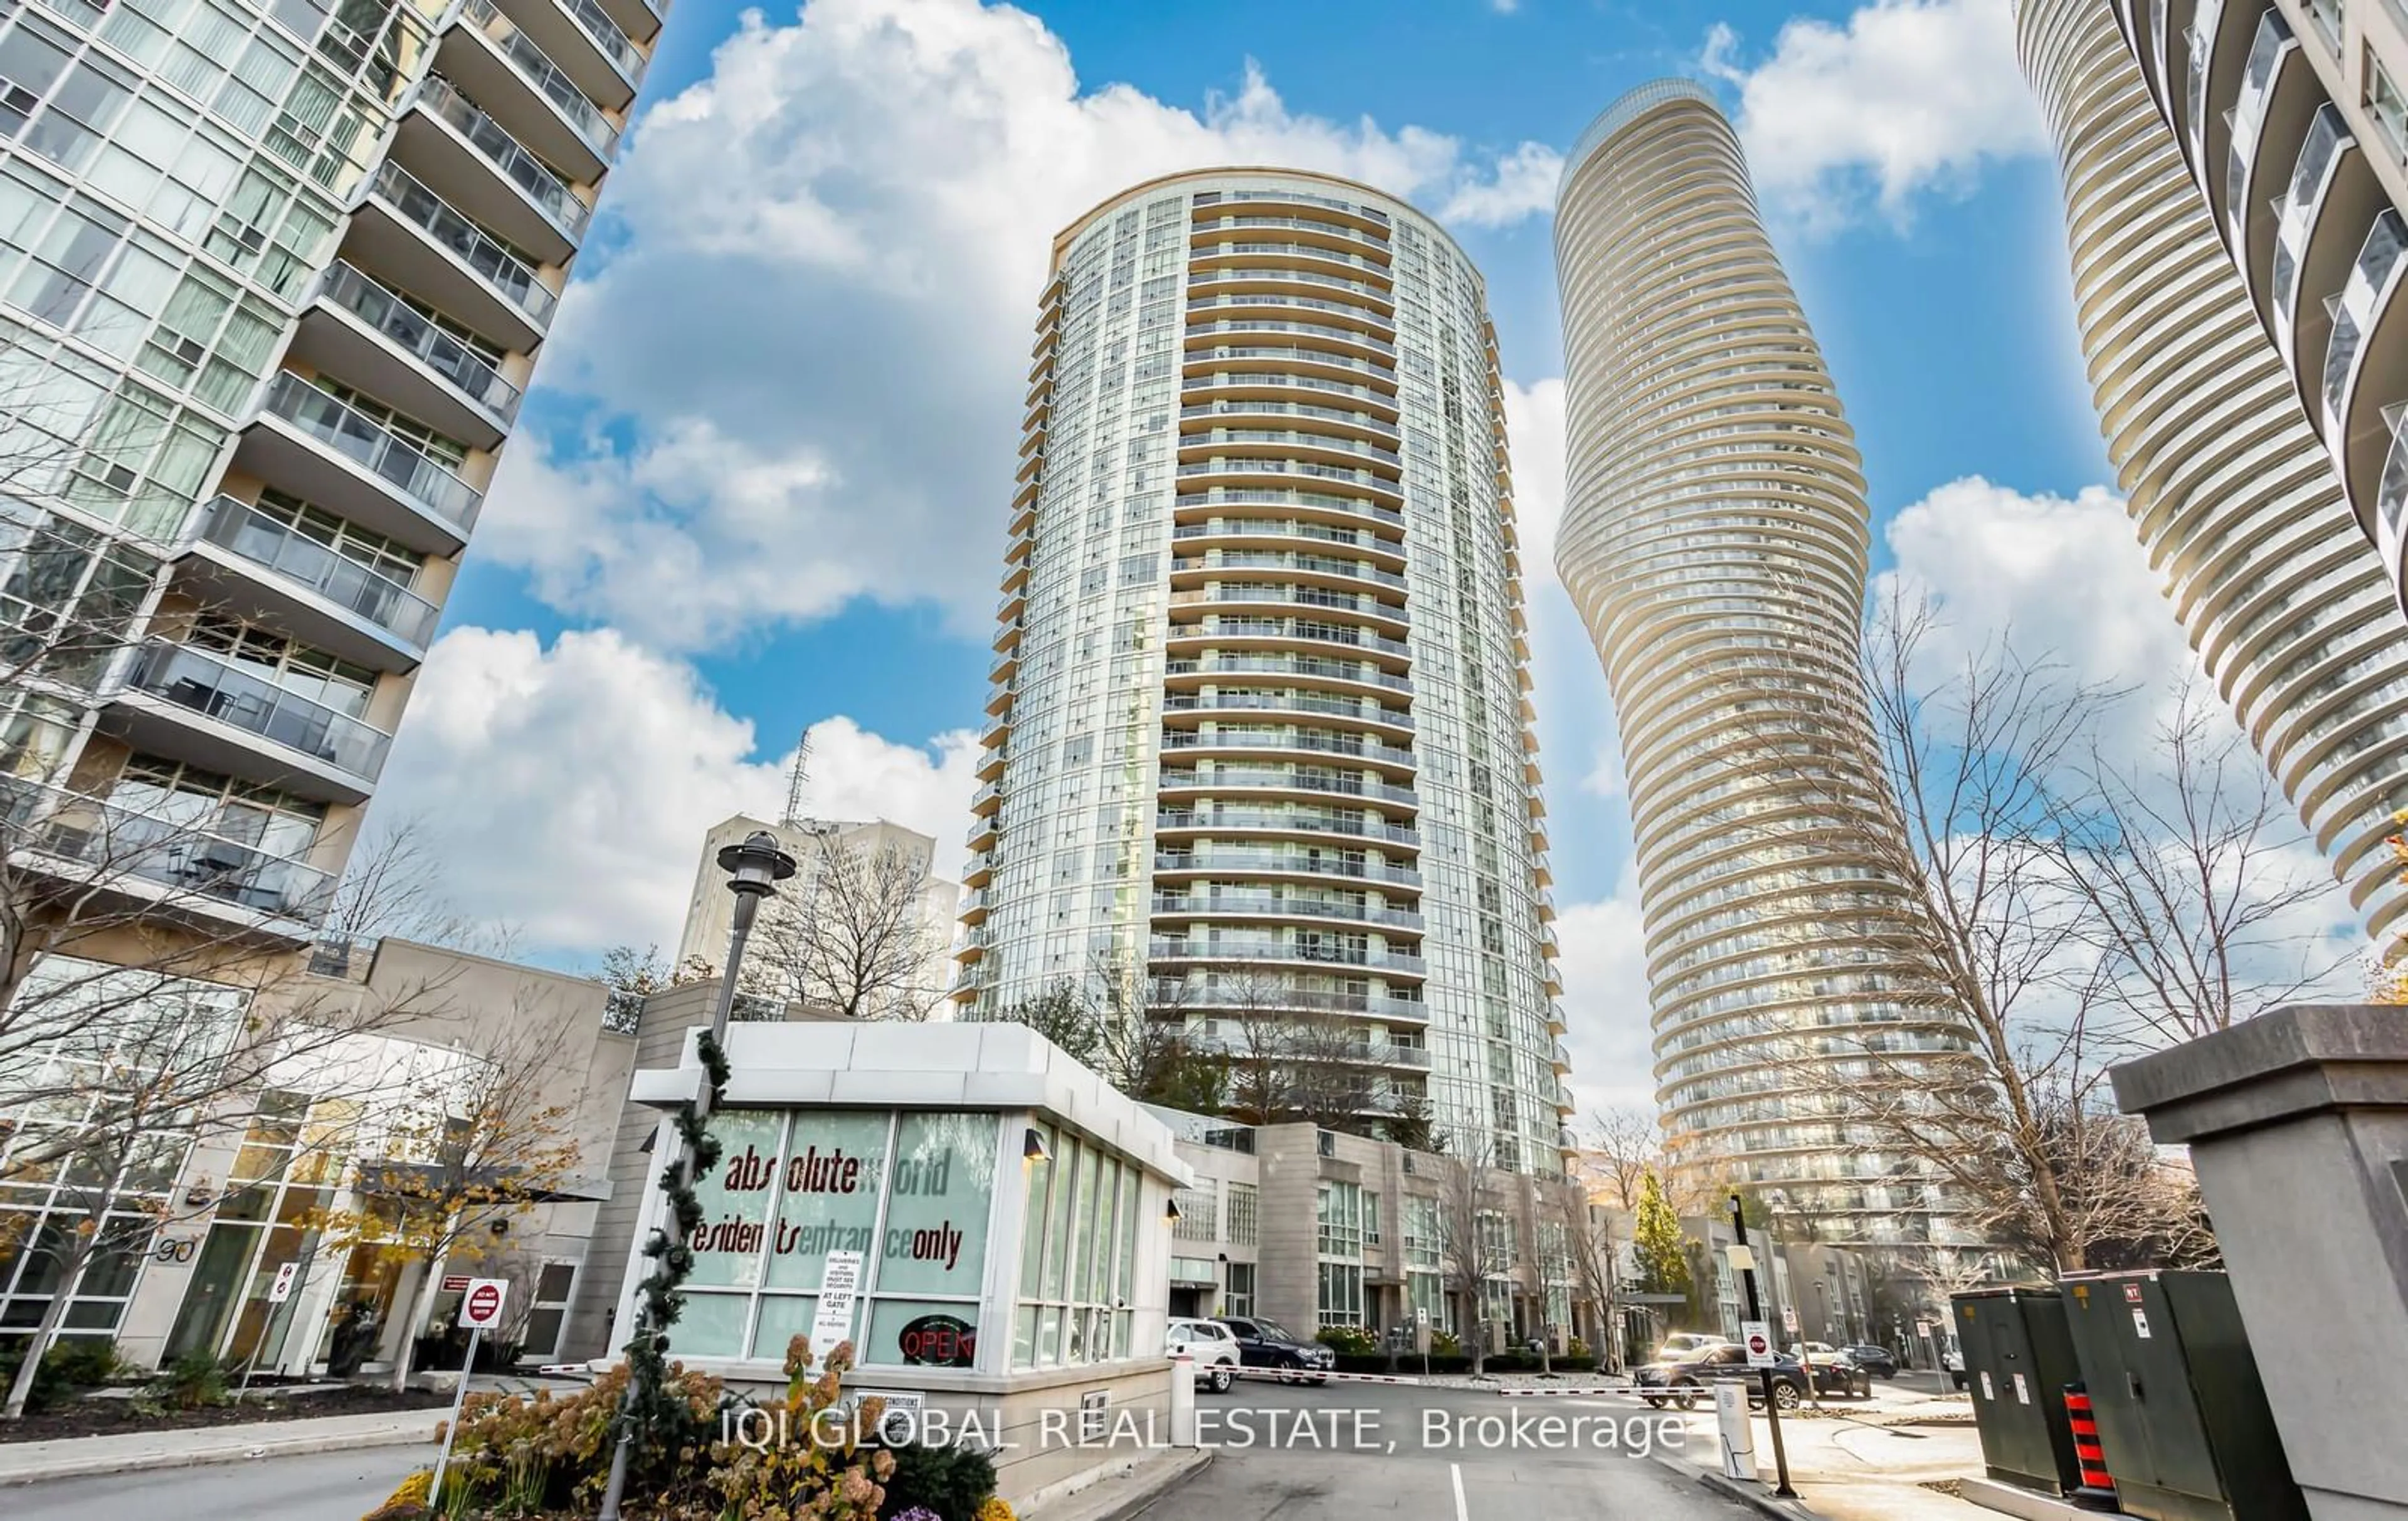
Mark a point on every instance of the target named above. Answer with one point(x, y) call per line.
point(1714, 537)
point(1261, 740)
point(275, 275)
point(2233, 238)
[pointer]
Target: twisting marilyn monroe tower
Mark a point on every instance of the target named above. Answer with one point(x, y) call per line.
point(1714, 537)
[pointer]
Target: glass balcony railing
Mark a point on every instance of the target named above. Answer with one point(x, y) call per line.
point(2391, 495)
point(2326, 137)
point(2198, 39)
point(418, 336)
point(476, 248)
point(545, 75)
point(2248, 118)
point(353, 587)
point(195, 679)
point(375, 449)
point(2379, 258)
point(521, 167)
point(118, 845)
point(597, 23)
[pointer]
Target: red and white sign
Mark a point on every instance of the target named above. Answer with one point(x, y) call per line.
point(2131, 1294)
point(281, 1288)
point(455, 1282)
point(480, 1310)
point(1756, 1337)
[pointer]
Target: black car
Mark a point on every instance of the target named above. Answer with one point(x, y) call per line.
point(1267, 1344)
point(1685, 1381)
point(1873, 1359)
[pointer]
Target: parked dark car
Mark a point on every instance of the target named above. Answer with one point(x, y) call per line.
point(1873, 1359)
point(1685, 1381)
point(1267, 1344)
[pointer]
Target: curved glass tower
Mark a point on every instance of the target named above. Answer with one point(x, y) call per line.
point(1714, 537)
point(2234, 497)
point(1262, 745)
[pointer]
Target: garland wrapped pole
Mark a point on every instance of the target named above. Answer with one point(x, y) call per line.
point(754, 868)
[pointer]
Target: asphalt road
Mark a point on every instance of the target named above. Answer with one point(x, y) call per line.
point(1284, 1454)
point(1281, 1454)
point(323, 1486)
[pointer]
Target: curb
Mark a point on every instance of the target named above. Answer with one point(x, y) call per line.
point(1751, 1495)
point(1147, 1483)
point(99, 1464)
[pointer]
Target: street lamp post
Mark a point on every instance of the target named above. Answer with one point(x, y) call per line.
point(753, 869)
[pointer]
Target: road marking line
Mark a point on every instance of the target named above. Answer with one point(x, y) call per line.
point(1461, 1512)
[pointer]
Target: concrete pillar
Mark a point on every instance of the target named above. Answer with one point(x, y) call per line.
point(2298, 1124)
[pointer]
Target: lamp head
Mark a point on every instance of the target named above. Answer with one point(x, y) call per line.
point(756, 866)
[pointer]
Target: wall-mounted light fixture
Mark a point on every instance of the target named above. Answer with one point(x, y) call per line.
point(1034, 1148)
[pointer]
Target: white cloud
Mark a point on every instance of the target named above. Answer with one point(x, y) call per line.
point(804, 363)
point(566, 789)
point(1603, 948)
point(1908, 97)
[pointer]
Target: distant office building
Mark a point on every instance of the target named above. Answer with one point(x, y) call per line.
point(865, 904)
point(1714, 537)
point(2236, 249)
point(1262, 740)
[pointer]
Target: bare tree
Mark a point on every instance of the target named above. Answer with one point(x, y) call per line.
point(856, 936)
point(2196, 887)
point(1588, 1241)
point(2049, 914)
point(1476, 1238)
point(1623, 1144)
point(454, 1151)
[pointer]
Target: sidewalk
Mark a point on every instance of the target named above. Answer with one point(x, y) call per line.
point(1866, 1462)
point(75, 1457)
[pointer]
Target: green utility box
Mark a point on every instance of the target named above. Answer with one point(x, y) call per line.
point(2182, 1415)
point(2018, 1359)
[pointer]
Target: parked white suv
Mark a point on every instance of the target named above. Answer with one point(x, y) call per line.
point(1213, 1349)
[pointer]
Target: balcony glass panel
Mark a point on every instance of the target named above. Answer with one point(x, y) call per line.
point(293, 554)
point(478, 249)
point(192, 679)
point(418, 336)
point(2248, 116)
point(2326, 135)
point(544, 75)
point(2392, 497)
point(379, 453)
point(521, 167)
point(597, 23)
point(120, 843)
point(2379, 258)
point(2198, 38)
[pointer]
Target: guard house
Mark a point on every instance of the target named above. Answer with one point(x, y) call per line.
point(1005, 1212)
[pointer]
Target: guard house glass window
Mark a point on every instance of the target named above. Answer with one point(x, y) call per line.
point(1078, 1255)
point(910, 1193)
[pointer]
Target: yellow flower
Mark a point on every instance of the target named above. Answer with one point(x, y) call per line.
point(996, 1508)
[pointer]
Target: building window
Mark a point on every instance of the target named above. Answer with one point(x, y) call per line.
point(1341, 1294)
point(107, 1034)
point(1341, 1220)
point(1244, 1209)
point(911, 1193)
point(1078, 1258)
point(2326, 14)
point(1197, 1214)
point(2385, 102)
point(1239, 1298)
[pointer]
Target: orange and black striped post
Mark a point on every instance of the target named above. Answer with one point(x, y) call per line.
point(2098, 1491)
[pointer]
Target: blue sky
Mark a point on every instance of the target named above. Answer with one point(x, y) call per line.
point(759, 492)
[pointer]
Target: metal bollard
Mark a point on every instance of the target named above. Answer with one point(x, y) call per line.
point(1738, 1432)
point(1183, 1400)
